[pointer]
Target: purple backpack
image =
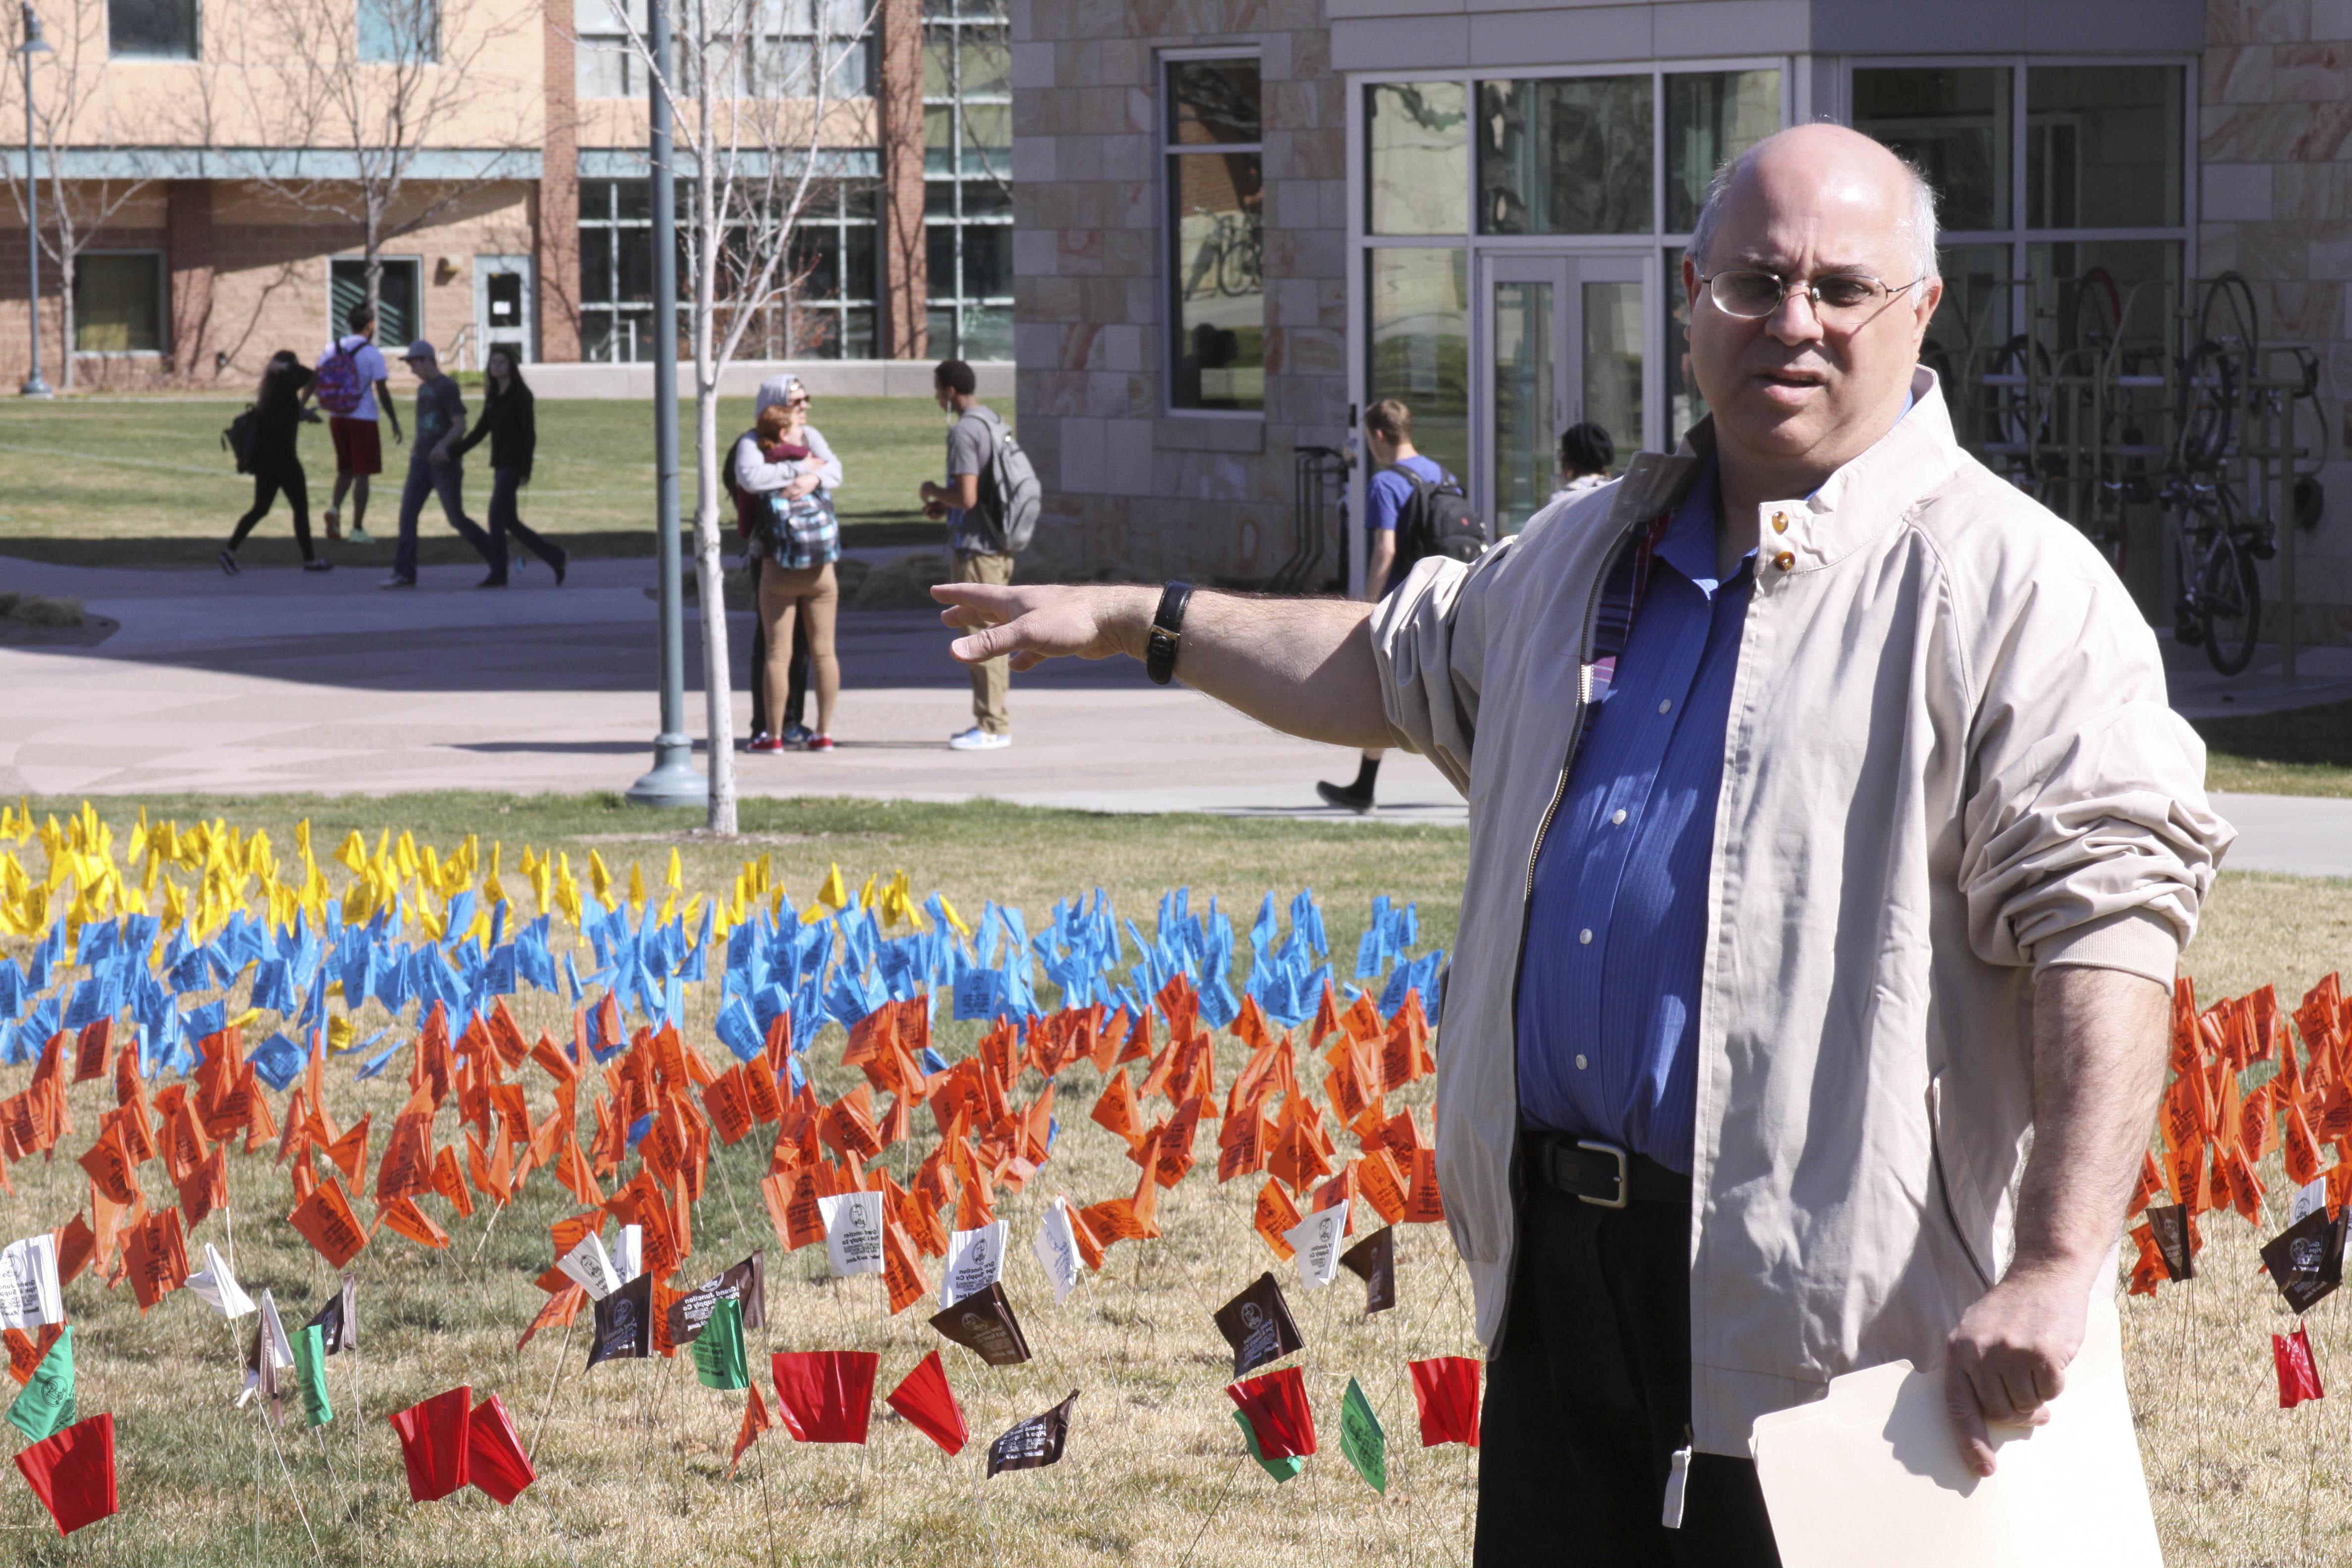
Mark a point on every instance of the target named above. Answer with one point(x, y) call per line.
point(339, 388)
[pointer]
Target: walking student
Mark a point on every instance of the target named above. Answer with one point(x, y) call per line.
point(754, 472)
point(433, 470)
point(1388, 499)
point(985, 531)
point(351, 388)
point(270, 456)
point(1586, 456)
point(510, 420)
point(784, 470)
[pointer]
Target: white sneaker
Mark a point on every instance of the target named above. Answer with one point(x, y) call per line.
point(977, 739)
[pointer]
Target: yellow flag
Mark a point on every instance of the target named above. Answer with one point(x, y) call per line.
point(677, 877)
point(833, 894)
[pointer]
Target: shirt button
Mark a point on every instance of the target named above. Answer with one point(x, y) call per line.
point(1784, 561)
point(1780, 523)
point(1617, 817)
point(1585, 936)
point(1665, 704)
point(1580, 1061)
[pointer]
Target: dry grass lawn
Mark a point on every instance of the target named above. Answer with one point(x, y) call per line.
point(633, 1456)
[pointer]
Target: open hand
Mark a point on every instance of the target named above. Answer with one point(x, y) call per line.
point(1036, 623)
point(2007, 1358)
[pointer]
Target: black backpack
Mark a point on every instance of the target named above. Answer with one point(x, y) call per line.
point(239, 439)
point(1435, 520)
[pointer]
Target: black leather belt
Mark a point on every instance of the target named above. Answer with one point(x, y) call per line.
point(1600, 1174)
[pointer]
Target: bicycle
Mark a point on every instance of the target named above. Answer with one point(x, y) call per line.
point(2221, 603)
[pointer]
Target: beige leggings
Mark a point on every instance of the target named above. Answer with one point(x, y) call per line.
point(811, 590)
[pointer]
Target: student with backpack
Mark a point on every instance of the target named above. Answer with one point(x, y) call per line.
point(351, 388)
point(781, 474)
point(263, 437)
point(1412, 509)
point(990, 503)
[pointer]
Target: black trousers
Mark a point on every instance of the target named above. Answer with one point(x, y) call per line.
point(506, 523)
point(267, 481)
point(796, 690)
point(1589, 1396)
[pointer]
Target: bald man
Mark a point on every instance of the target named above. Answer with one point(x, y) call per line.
point(1832, 851)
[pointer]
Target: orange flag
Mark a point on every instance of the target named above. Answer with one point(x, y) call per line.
point(326, 1222)
point(402, 1218)
point(562, 1308)
point(1275, 1214)
point(158, 1257)
point(901, 1272)
point(756, 1420)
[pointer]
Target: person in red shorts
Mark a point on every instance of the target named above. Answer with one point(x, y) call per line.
point(351, 388)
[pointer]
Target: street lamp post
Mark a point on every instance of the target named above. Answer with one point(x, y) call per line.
point(672, 780)
point(34, 44)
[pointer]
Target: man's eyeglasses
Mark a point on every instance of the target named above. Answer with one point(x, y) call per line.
point(1841, 299)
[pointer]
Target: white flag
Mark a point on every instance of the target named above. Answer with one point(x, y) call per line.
point(29, 1295)
point(628, 1254)
point(587, 1266)
point(853, 1232)
point(1317, 1238)
point(270, 1355)
point(975, 1259)
point(1056, 1248)
point(218, 1287)
point(2311, 1195)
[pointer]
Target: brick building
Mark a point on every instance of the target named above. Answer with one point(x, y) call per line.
point(219, 167)
point(1238, 222)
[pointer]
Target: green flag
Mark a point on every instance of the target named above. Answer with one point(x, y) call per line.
point(1280, 1469)
point(1361, 1439)
point(309, 1347)
point(718, 1349)
point(45, 1407)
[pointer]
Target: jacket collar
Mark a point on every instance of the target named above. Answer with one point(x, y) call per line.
point(1852, 504)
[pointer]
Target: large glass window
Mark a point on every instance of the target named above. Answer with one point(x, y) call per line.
point(119, 302)
point(826, 310)
point(1417, 137)
point(397, 320)
point(1565, 157)
point(151, 29)
point(2102, 146)
point(968, 180)
point(1215, 210)
point(1955, 124)
point(397, 32)
point(1712, 117)
point(1419, 333)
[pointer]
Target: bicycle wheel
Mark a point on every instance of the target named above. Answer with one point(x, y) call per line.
point(2228, 314)
point(2209, 416)
point(2230, 606)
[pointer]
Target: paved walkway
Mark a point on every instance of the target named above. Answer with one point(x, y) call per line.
point(278, 681)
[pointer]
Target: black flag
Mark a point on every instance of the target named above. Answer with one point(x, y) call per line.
point(2306, 1258)
point(1257, 1324)
point(983, 1323)
point(1374, 1260)
point(1035, 1443)
point(339, 1320)
point(624, 1322)
point(746, 1284)
point(2168, 1223)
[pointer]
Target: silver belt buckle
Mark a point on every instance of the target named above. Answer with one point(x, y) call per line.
point(1624, 1181)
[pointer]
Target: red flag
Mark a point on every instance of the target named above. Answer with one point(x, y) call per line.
point(434, 1442)
point(2298, 1373)
point(924, 1399)
point(756, 1420)
point(825, 1397)
point(73, 1473)
point(1276, 1409)
point(1446, 1389)
point(494, 1461)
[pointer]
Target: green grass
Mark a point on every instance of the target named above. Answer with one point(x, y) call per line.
point(142, 481)
point(633, 1462)
point(2306, 751)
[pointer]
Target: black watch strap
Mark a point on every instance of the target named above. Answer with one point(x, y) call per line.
point(1166, 633)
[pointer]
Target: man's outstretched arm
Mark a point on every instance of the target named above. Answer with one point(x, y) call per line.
point(1304, 666)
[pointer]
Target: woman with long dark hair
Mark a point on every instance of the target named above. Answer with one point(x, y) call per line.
point(510, 419)
point(271, 458)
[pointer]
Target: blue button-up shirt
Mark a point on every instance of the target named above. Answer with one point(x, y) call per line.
point(1608, 996)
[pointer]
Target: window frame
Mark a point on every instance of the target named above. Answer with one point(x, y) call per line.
point(1165, 151)
point(431, 56)
point(334, 323)
point(162, 261)
point(959, 303)
point(195, 39)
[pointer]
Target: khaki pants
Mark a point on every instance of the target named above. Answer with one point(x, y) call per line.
point(991, 679)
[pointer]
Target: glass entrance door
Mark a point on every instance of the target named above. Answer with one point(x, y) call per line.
point(1564, 343)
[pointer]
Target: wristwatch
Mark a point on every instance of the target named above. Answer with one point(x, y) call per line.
point(1166, 633)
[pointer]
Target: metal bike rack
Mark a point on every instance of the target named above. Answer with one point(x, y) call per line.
point(1317, 474)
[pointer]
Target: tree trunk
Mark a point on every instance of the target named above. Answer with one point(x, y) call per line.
point(67, 255)
point(717, 686)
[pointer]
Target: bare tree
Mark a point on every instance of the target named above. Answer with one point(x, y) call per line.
point(752, 102)
point(73, 113)
point(354, 98)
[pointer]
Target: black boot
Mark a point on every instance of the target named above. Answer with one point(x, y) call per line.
point(1358, 796)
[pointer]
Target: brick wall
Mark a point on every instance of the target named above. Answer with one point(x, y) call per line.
point(1131, 489)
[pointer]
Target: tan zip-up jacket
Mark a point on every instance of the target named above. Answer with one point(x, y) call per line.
point(1948, 765)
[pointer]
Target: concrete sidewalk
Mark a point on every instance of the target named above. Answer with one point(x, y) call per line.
point(278, 681)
